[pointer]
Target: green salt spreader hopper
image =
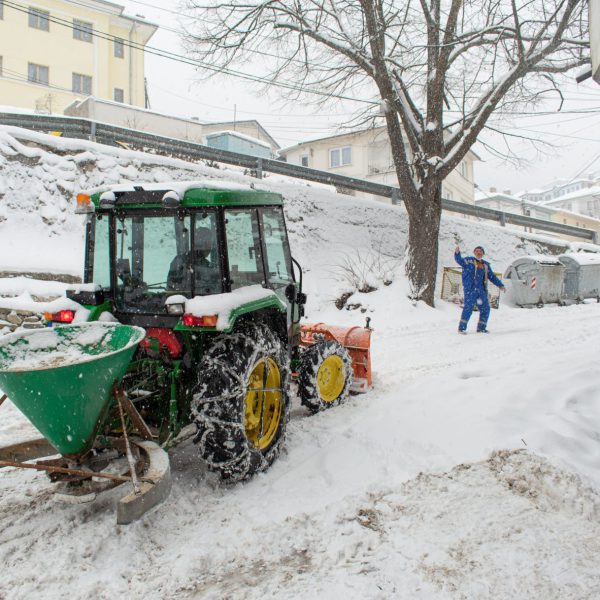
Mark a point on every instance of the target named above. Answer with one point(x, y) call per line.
point(61, 378)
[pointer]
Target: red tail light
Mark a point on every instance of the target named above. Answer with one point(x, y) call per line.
point(204, 321)
point(62, 316)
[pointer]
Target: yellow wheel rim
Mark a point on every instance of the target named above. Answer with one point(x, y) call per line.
point(331, 378)
point(264, 404)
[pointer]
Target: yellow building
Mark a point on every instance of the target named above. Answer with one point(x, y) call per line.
point(566, 217)
point(53, 52)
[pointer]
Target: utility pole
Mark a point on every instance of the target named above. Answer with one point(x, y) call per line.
point(146, 95)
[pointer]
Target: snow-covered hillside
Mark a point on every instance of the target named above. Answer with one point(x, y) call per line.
point(40, 176)
point(471, 470)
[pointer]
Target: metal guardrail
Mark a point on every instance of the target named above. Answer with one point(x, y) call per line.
point(104, 133)
point(515, 219)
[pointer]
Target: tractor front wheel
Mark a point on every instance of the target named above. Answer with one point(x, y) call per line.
point(241, 403)
point(325, 375)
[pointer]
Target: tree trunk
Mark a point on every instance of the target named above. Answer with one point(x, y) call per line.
point(423, 233)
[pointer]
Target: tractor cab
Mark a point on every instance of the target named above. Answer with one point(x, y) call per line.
point(146, 245)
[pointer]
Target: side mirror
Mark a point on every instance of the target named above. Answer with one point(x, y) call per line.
point(290, 292)
point(301, 298)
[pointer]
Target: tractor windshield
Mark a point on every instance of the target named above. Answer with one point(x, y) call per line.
point(155, 260)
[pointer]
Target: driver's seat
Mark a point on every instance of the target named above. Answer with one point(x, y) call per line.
point(179, 277)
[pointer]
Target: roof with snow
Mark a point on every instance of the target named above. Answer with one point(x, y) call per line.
point(239, 135)
point(375, 130)
point(591, 191)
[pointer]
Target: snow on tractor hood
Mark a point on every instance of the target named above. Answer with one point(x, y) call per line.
point(223, 305)
point(180, 187)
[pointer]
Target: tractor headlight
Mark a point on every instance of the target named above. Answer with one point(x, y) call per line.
point(108, 200)
point(175, 304)
point(176, 308)
point(171, 199)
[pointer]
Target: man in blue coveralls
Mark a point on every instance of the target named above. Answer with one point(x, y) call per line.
point(475, 275)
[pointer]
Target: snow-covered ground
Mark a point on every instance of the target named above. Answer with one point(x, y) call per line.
point(471, 469)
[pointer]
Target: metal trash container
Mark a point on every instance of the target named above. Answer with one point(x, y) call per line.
point(582, 275)
point(536, 280)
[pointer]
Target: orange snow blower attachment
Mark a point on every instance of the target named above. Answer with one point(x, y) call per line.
point(357, 340)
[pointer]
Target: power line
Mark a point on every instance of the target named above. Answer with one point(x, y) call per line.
point(270, 114)
point(587, 166)
point(172, 29)
point(22, 77)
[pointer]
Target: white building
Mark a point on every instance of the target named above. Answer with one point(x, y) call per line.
point(367, 154)
point(558, 188)
point(194, 130)
point(506, 202)
point(585, 201)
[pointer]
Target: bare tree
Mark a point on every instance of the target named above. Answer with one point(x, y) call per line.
point(439, 68)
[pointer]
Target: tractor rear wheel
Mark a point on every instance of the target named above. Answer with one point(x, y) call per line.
point(325, 375)
point(241, 403)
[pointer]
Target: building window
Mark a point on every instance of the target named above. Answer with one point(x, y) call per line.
point(565, 221)
point(119, 48)
point(82, 84)
point(82, 30)
point(37, 74)
point(338, 157)
point(39, 19)
point(118, 95)
point(304, 160)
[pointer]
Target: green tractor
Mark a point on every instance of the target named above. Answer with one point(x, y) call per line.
point(207, 273)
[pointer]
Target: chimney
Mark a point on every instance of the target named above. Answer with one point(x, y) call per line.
point(507, 192)
point(493, 190)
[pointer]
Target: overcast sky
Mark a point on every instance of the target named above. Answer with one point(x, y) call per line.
point(175, 88)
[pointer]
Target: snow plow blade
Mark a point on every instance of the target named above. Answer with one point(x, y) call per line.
point(357, 340)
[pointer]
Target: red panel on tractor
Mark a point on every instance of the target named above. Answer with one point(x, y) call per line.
point(166, 339)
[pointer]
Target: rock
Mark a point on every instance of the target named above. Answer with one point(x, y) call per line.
point(31, 325)
point(32, 319)
point(13, 318)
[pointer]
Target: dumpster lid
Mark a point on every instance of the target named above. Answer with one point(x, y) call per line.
point(582, 258)
point(540, 259)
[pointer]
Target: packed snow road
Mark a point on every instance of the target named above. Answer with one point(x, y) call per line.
point(471, 470)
